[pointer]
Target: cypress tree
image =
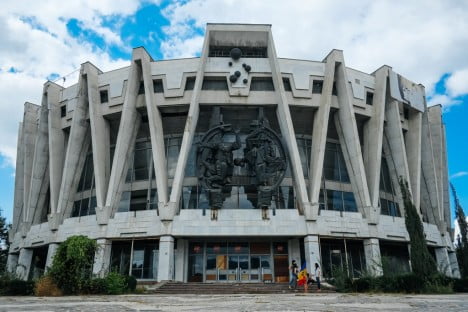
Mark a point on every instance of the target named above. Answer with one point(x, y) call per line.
point(422, 262)
point(462, 239)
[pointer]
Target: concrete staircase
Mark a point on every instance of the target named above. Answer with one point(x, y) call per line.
point(172, 288)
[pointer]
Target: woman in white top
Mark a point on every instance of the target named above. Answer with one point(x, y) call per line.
point(318, 275)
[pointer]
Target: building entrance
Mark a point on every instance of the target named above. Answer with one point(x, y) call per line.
point(236, 261)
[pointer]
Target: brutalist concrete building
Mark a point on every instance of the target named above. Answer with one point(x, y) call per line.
point(225, 167)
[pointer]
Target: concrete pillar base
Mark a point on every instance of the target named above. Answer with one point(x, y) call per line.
point(12, 262)
point(311, 211)
point(373, 216)
point(50, 255)
point(166, 259)
point(373, 258)
point(102, 257)
point(454, 264)
point(24, 263)
point(103, 215)
point(443, 261)
point(312, 252)
point(54, 221)
point(167, 211)
point(294, 251)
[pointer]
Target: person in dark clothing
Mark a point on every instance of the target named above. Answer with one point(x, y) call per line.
point(293, 269)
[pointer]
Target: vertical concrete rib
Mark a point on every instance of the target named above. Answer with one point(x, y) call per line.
point(30, 126)
point(319, 131)
point(40, 161)
point(428, 175)
point(129, 124)
point(287, 132)
point(445, 181)
point(100, 138)
point(19, 184)
point(413, 154)
point(56, 144)
point(349, 138)
point(168, 211)
point(75, 150)
point(373, 134)
point(155, 126)
point(394, 135)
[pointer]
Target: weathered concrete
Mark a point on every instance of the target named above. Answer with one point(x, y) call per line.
point(276, 302)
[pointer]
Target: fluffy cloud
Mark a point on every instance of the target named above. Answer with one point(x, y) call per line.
point(422, 40)
point(459, 174)
point(35, 44)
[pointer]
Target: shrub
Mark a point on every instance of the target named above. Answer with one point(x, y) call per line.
point(12, 286)
point(97, 286)
point(72, 265)
point(46, 286)
point(340, 279)
point(460, 285)
point(116, 283)
point(131, 282)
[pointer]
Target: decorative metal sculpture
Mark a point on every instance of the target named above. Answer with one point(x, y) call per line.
point(264, 157)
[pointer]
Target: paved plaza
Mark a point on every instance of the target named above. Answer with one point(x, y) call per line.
point(277, 302)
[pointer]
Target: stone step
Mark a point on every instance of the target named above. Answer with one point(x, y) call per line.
point(223, 288)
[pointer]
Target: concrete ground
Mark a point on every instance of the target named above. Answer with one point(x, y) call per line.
point(276, 302)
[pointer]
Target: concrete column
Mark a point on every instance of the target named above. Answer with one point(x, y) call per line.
point(373, 258)
point(155, 126)
point(346, 127)
point(319, 132)
point(287, 132)
point(31, 113)
point(50, 255)
point(312, 252)
point(168, 211)
point(166, 259)
point(39, 180)
point(413, 155)
point(454, 264)
point(102, 257)
point(76, 151)
point(24, 263)
point(129, 124)
point(100, 140)
point(12, 262)
point(19, 184)
point(443, 261)
point(294, 251)
point(181, 260)
point(56, 144)
point(373, 134)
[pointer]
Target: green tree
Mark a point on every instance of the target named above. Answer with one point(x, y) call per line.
point(422, 262)
point(462, 239)
point(4, 243)
point(72, 265)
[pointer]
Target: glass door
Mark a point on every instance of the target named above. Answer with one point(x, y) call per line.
point(260, 268)
point(238, 269)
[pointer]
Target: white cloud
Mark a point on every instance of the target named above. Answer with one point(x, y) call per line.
point(36, 43)
point(422, 40)
point(457, 83)
point(459, 174)
point(445, 100)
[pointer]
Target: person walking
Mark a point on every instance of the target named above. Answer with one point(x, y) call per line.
point(318, 275)
point(293, 269)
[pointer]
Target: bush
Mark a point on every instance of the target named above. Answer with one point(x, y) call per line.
point(46, 286)
point(97, 286)
point(460, 285)
point(11, 286)
point(340, 279)
point(116, 283)
point(131, 282)
point(72, 265)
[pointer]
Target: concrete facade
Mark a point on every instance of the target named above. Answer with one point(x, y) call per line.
point(113, 157)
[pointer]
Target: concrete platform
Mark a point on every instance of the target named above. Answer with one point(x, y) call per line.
point(263, 302)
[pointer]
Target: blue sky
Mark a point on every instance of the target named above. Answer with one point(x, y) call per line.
point(425, 42)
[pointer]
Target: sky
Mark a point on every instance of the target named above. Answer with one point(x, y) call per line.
point(425, 41)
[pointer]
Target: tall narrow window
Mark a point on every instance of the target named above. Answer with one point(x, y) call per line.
point(369, 98)
point(158, 86)
point(104, 96)
point(189, 83)
point(63, 110)
point(317, 86)
point(287, 84)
